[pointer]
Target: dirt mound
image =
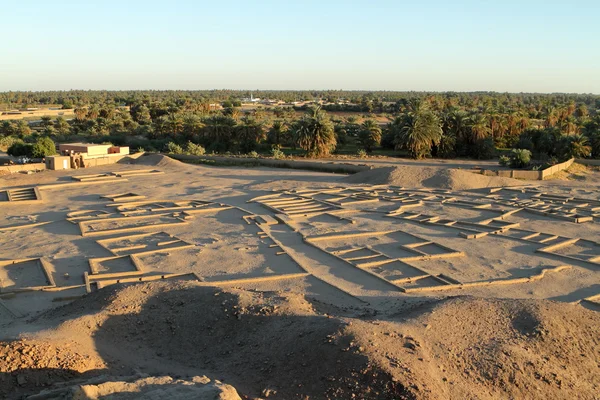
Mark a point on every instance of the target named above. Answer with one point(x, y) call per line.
point(29, 365)
point(260, 343)
point(161, 161)
point(468, 348)
point(276, 345)
point(430, 177)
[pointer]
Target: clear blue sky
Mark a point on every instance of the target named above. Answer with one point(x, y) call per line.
point(515, 46)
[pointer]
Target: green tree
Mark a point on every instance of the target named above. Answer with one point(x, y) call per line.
point(314, 133)
point(479, 127)
point(418, 130)
point(43, 147)
point(62, 126)
point(277, 133)
point(369, 135)
point(46, 121)
point(249, 133)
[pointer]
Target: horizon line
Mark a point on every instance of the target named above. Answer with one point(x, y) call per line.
point(297, 90)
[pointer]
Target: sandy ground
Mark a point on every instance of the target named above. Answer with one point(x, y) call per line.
point(381, 331)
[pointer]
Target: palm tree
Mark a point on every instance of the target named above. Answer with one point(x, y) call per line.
point(314, 133)
point(80, 113)
point(551, 118)
point(277, 131)
point(192, 125)
point(456, 123)
point(249, 133)
point(576, 146)
point(369, 135)
point(419, 130)
point(219, 128)
point(479, 127)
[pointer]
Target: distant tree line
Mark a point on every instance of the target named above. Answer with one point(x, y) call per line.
point(552, 127)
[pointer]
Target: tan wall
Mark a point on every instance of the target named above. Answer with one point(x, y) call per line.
point(528, 175)
point(95, 150)
point(104, 160)
point(25, 167)
point(57, 162)
point(557, 168)
point(119, 150)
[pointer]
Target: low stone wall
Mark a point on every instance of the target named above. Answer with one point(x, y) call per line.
point(11, 169)
point(557, 168)
point(527, 174)
point(96, 161)
point(586, 161)
point(342, 168)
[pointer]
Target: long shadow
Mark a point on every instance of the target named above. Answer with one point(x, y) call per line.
point(252, 345)
point(579, 294)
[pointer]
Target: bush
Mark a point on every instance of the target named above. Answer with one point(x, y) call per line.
point(504, 161)
point(277, 153)
point(362, 153)
point(19, 149)
point(43, 147)
point(174, 148)
point(520, 158)
point(195, 149)
point(253, 154)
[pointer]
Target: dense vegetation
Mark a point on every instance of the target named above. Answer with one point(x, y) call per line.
point(552, 127)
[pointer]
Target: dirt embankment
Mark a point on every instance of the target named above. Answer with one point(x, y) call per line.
point(429, 177)
point(278, 345)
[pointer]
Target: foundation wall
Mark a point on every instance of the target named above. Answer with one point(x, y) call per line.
point(530, 175)
point(25, 167)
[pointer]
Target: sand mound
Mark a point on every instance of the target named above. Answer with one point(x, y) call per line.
point(277, 345)
point(431, 177)
point(28, 365)
point(468, 348)
point(161, 161)
point(259, 342)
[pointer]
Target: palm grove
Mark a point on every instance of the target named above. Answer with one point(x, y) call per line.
point(552, 127)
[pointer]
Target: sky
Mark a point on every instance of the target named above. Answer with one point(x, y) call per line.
point(436, 45)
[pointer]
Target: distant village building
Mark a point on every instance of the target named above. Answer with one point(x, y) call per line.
point(251, 99)
point(80, 155)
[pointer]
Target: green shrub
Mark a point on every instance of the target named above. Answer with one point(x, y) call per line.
point(174, 148)
point(19, 149)
point(504, 161)
point(253, 154)
point(43, 147)
point(520, 158)
point(362, 153)
point(195, 149)
point(277, 153)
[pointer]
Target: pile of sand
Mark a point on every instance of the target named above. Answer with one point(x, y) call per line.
point(471, 348)
point(261, 343)
point(161, 161)
point(29, 365)
point(278, 345)
point(431, 177)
